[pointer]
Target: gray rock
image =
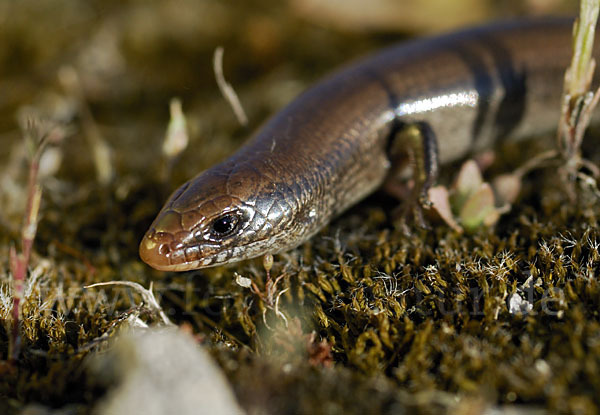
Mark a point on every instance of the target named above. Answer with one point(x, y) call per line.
point(160, 372)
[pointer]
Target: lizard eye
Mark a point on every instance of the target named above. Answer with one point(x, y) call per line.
point(225, 225)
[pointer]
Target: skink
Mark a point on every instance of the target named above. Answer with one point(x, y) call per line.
point(330, 147)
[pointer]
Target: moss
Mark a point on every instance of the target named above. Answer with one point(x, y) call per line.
point(364, 318)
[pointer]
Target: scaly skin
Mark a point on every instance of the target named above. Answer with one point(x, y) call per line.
point(329, 148)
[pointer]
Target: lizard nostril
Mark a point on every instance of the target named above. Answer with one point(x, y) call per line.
point(164, 249)
point(156, 250)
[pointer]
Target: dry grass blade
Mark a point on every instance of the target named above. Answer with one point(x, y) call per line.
point(226, 89)
point(36, 139)
point(147, 296)
point(101, 151)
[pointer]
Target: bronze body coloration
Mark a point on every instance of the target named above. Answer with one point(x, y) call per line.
point(329, 148)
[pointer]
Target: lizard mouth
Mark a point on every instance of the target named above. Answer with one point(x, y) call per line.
point(164, 246)
point(161, 251)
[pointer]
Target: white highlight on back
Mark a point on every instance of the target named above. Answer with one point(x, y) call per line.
point(465, 98)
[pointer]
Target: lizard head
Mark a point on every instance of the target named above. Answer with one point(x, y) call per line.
point(221, 216)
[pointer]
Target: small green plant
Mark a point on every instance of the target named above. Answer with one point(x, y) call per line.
point(578, 101)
